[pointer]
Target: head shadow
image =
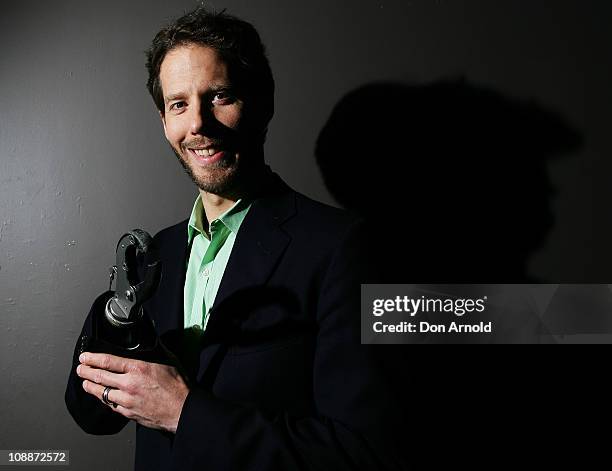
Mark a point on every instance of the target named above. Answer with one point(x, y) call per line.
point(451, 177)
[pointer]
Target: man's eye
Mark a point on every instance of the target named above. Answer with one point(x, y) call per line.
point(222, 98)
point(178, 105)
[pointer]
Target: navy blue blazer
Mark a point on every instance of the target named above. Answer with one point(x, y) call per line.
point(280, 380)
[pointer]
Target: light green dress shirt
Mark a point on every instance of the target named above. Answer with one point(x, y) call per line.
point(208, 259)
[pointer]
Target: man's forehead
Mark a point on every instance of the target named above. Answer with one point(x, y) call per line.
point(189, 64)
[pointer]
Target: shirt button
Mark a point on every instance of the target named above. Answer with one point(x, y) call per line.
point(206, 272)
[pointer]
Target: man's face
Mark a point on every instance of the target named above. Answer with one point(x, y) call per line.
point(202, 116)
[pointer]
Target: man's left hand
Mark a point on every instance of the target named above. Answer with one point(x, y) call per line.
point(151, 394)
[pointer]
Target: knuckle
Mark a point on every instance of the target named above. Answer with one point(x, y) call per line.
point(130, 386)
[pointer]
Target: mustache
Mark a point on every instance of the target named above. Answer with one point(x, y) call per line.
point(216, 143)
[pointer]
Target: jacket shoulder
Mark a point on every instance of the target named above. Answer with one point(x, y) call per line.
point(172, 233)
point(323, 217)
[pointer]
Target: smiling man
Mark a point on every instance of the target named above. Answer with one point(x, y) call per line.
point(210, 122)
point(198, 91)
point(259, 298)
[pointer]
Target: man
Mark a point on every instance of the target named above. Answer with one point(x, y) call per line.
point(259, 292)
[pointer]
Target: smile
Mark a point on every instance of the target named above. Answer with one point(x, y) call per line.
point(207, 156)
point(205, 152)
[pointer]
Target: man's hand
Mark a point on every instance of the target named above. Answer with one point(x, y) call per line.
point(151, 394)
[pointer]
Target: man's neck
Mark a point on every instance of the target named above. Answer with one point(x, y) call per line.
point(215, 205)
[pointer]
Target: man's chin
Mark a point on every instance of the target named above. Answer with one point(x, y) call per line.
point(216, 179)
point(219, 185)
point(219, 179)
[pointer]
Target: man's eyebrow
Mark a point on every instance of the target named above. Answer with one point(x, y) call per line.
point(173, 96)
point(215, 87)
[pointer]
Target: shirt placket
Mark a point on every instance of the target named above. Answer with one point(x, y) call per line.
point(216, 233)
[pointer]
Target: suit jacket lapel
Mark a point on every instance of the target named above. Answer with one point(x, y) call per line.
point(258, 246)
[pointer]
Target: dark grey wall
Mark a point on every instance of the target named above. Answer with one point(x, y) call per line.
point(83, 156)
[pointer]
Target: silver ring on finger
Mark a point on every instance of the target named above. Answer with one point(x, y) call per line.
point(105, 399)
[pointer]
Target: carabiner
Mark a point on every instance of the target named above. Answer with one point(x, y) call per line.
point(124, 309)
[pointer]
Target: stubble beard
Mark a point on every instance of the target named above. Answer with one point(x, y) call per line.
point(220, 178)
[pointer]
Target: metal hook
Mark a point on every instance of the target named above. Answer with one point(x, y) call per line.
point(125, 307)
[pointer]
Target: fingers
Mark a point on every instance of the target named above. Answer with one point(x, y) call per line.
point(114, 395)
point(101, 377)
point(100, 370)
point(150, 394)
point(108, 362)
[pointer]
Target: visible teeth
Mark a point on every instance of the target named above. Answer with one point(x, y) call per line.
point(205, 152)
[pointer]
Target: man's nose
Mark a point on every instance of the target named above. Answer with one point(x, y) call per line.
point(201, 118)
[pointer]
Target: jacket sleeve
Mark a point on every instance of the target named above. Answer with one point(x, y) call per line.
point(356, 422)
point(87, 411)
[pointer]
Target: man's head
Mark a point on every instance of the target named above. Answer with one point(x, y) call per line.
point(212, 84)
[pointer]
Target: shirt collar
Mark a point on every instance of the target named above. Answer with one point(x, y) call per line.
point(232, 218)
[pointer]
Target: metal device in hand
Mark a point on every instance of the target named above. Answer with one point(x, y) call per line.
point(133, 286)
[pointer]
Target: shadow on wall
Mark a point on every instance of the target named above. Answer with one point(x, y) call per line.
point(450, 176)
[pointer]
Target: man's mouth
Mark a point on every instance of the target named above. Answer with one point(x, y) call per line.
point(205, 152)
point(206, 155)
